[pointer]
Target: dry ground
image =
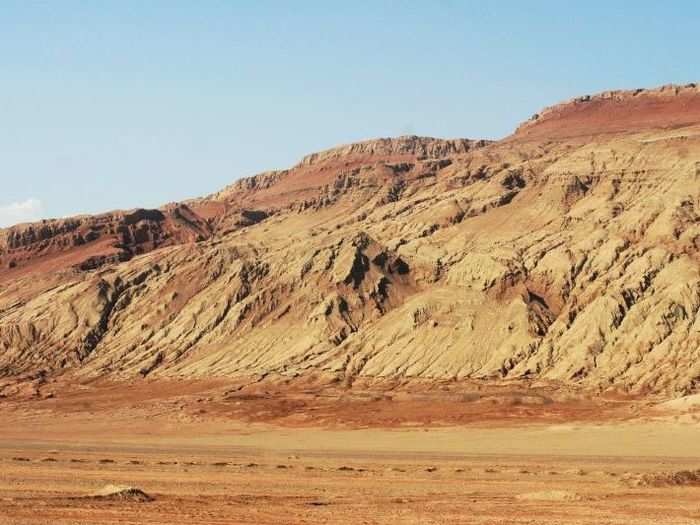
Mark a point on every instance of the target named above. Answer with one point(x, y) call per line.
point(191, 447)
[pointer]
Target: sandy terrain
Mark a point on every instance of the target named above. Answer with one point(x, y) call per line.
point(201, 463)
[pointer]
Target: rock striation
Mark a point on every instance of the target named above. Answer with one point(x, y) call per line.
point(568, 252)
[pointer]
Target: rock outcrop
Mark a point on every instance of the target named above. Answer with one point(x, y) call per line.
point(567, 252)
point(89, 242)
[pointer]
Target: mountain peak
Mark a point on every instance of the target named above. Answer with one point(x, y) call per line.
point(617, 111)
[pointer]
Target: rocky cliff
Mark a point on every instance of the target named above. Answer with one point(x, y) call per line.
point(567, 252)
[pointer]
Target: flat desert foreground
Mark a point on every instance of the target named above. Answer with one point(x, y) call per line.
point(196, 454)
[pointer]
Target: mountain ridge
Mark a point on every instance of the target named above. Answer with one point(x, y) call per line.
point(616, 111)
point(546, 256)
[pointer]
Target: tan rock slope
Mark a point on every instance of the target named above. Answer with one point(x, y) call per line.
point(567, 252)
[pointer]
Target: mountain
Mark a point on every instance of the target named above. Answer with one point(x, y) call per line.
point(566, 252)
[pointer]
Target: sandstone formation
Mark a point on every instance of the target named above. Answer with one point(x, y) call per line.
point(568, 252)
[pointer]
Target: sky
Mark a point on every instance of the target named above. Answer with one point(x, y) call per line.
point(122, 104)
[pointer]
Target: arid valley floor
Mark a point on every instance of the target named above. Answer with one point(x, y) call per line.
point(210, 452)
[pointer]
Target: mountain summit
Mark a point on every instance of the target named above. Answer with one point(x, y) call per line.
point(666, 107)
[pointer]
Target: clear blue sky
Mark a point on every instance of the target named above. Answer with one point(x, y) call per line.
point(118, 104)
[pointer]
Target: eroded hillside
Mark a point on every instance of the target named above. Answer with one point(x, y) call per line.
point(566, 252)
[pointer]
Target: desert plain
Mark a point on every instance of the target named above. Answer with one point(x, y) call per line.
point(208, 452)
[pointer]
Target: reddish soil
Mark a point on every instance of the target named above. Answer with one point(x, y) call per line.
point(206, 452)
point(616, 112)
